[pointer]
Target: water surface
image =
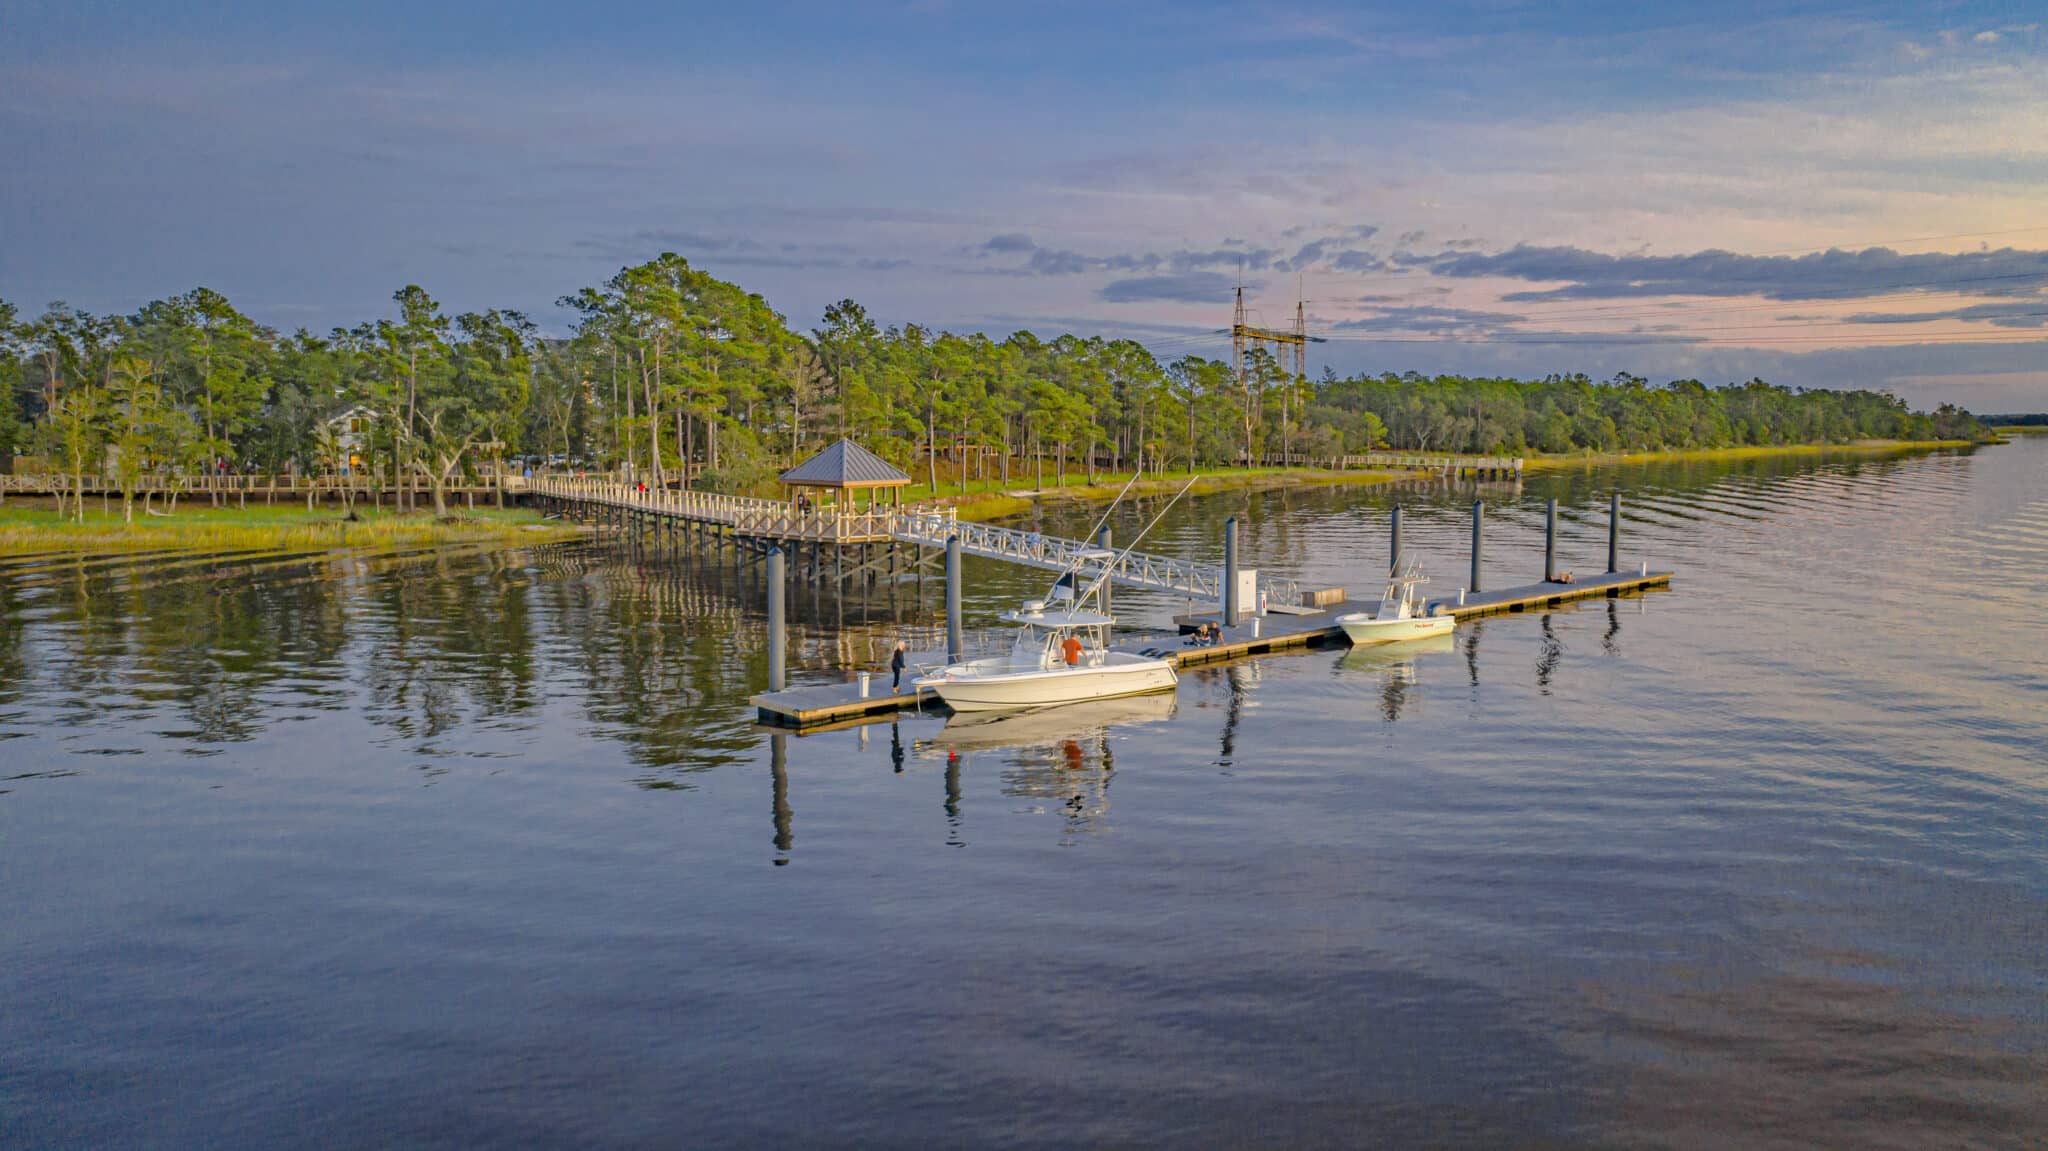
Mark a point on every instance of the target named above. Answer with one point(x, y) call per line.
point(484, 848)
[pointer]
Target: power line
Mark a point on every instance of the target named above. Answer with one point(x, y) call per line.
point(1676, 339)
point(1780, 327)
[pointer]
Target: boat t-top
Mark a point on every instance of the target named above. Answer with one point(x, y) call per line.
point(1061, 652)
point(1399, 617)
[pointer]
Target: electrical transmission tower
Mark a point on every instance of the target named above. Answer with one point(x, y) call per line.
point(1244, 335)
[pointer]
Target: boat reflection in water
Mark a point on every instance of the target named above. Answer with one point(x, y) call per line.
point(1058, 759)
point(1046, 728)
point(1395, 663)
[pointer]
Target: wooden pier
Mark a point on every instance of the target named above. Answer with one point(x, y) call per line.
point(838, 541)
point(1447, 465)
point(814, 706)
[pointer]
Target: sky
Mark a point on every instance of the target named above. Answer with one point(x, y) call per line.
point(1823, 194)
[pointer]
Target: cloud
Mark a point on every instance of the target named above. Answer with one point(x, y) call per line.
point(1253, 259)
point(646, 242)
point(1329, 251)
point(1590, 275)
point(1428, 318)
point(1180, 287)
point(1354, 260)
point(2019, 314)
point(1048, 262)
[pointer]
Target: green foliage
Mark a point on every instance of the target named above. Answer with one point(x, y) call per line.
point(13, 425)
point(684, 378)
point(1574, 414)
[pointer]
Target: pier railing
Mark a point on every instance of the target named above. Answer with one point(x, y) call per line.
point(929, 528)
point(1426, 461)
point(363, 484)
point(747, 515)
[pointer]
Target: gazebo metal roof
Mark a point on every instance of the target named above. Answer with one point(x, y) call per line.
point(845, 465)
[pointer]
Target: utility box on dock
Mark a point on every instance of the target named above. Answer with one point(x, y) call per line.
point(1247, 590)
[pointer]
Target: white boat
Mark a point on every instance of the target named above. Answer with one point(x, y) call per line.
point(1399, 618)
point(1042, 668)
point(1061, 653)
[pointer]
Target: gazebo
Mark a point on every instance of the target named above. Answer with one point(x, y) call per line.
point(848, 467)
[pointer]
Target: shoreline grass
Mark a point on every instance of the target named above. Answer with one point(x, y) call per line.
point(33, 528)
point(1537, 462)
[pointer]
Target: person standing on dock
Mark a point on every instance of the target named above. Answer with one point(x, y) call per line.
point(896, 668)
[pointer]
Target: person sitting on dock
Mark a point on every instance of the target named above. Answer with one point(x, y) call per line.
point(1071, 648)
point(896, 668)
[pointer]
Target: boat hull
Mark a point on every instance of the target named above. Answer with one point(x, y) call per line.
point(1054, 686)
point(1366, 632)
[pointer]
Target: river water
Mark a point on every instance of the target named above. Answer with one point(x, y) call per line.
point(483, 849)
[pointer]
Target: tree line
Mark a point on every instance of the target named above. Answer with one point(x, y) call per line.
point(686, 379)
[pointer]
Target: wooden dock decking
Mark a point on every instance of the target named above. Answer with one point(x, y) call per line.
point(815, 705)
point(824, 703)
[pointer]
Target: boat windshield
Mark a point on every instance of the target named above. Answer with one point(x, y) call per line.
point(1032, 647)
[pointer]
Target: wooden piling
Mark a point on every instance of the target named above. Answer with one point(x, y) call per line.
point(1550, 541)
point(778, 640)
point(1230, 604)
point(1613, 533)
point(955, 649)
point(1478, 539)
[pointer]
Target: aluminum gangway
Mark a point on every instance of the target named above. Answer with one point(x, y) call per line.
point(1130, 568)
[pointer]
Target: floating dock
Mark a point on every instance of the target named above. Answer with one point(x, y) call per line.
point(817, 705)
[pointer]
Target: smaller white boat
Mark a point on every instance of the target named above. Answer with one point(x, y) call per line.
point(1399, 617)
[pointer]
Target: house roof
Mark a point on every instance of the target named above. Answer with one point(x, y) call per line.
point(845, 465)
point(352, 412)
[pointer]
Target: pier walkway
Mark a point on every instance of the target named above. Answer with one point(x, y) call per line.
point(780, 523)
point(1485, 467)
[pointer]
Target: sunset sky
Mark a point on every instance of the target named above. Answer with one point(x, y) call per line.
point(1824, 194)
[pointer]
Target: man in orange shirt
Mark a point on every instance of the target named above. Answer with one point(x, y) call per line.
point(1072, 648)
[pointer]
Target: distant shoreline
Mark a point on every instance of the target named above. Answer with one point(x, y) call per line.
point(1746, 452)
point(999, 505)
point(28, 526)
